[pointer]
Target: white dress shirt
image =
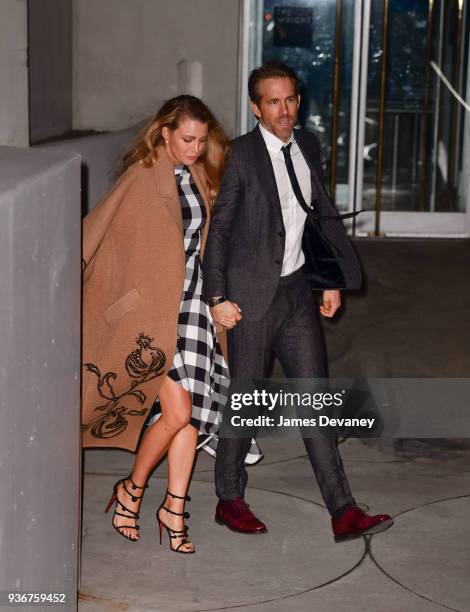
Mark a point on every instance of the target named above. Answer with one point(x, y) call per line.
point(292, 213)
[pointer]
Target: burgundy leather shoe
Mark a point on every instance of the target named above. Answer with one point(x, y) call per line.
point(355, 523)
point(237, 515)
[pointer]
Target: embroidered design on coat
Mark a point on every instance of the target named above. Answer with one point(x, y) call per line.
point(143, 364)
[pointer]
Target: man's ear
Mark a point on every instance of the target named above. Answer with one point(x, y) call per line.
point(298, 99)
point(256, 110)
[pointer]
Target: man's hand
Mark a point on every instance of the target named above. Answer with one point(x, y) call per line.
point(226, 314)
point(331, 302)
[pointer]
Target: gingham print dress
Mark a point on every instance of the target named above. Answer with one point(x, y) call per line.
point(198, 364)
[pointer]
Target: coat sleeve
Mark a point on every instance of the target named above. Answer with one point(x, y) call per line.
point(218, 240)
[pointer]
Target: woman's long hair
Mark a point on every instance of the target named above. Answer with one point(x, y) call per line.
point(143, 149)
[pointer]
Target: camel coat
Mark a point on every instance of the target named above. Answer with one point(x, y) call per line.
point(134, 266)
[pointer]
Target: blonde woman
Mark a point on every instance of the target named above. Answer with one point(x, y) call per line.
point(150, 346)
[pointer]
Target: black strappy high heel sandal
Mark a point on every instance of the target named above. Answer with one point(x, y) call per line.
point(120, 506)
point(172, 534)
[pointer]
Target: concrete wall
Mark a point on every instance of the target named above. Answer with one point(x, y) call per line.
point(101, 158)
point(50, 68)
point(126, 55)
point(39, 371)
point(14, 128)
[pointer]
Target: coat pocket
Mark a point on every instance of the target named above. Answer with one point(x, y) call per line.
point(121, 306)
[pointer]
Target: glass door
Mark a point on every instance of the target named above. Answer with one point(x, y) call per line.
point(381, 81)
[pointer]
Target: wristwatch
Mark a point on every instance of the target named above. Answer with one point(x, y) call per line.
point(216, 300)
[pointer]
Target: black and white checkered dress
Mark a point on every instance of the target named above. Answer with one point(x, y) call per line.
point(198, 364)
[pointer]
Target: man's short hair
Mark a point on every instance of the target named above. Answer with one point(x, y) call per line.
point(269, 70)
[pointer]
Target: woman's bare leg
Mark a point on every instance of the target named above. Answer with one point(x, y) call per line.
point(181, 455)
point(175, 404)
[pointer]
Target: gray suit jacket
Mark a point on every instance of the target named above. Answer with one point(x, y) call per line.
point(245, 245)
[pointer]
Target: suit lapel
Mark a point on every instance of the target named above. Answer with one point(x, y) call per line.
point(305, 152)
point(266, 171)
point(317, 187)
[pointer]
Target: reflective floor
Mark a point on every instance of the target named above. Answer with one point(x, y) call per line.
point(413, 320)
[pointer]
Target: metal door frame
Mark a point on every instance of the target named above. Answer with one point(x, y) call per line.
point(389, 223)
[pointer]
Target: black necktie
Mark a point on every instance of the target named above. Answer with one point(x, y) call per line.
point(298, 193)
point(293, 178)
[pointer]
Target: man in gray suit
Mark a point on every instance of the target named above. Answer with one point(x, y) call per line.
point(256, 282)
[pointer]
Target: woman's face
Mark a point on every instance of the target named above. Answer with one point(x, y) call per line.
point(187, 142)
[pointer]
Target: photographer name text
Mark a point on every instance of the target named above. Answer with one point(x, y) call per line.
point(320, 421)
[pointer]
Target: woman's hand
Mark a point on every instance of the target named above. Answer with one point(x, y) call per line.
point(331, 302)
point(226, 314)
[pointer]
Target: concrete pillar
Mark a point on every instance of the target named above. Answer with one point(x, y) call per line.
point(50, 68)
point(39, 371)
point(14, 122)
point(101, 158)
point(190, 78)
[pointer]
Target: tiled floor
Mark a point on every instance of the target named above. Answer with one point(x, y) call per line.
point(413, 320)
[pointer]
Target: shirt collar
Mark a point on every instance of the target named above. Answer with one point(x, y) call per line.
point(273, 143)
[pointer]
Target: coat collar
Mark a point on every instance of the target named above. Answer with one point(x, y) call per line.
point(273, 143)
point(165, 176)
point(317, 186)
point(267, 170)
point(298, 135)
point(164, 171)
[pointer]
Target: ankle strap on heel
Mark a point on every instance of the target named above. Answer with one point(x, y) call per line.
point(186, 497)
point(185, 514)
point(134, 486)
point(134, 497)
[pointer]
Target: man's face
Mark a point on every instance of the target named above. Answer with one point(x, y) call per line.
point(278, 107)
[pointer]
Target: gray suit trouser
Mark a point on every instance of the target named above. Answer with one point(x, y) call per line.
point(291, 330)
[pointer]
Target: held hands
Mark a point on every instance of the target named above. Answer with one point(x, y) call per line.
point(331, 302)
point(227, 314)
